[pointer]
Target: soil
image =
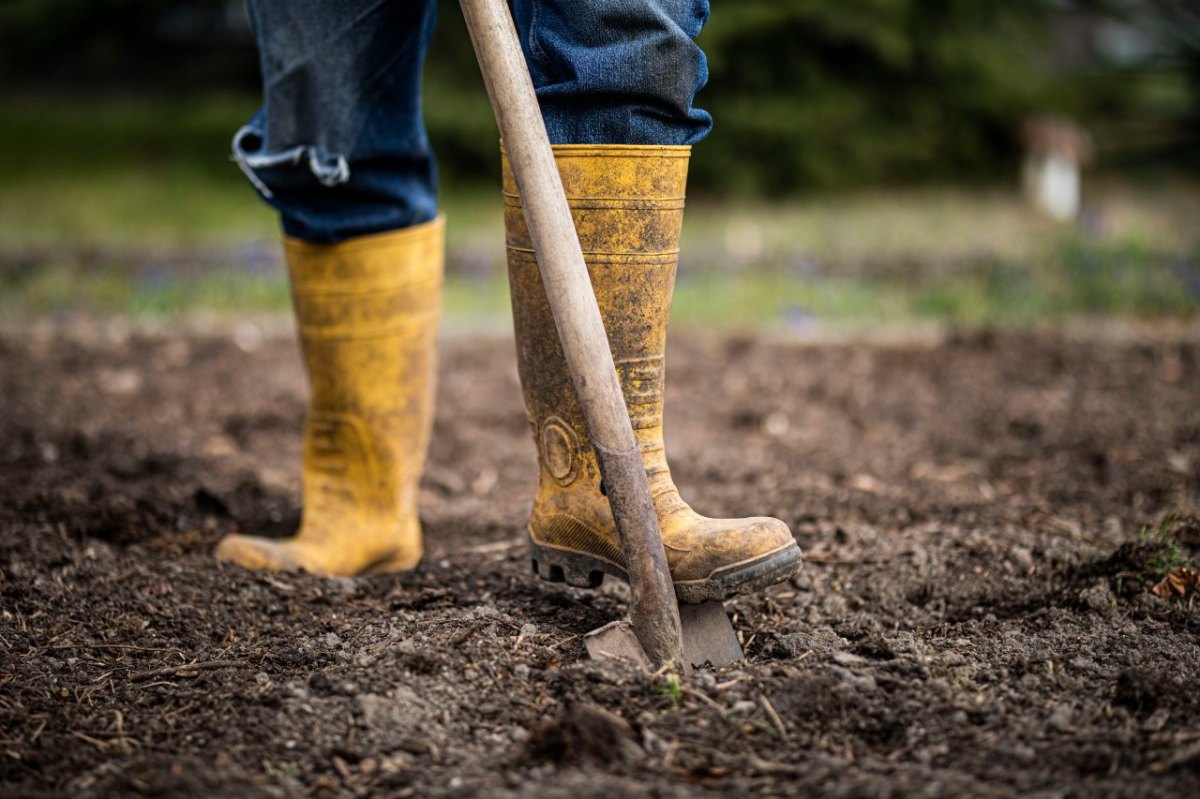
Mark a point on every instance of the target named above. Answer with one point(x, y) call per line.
point(984, 516)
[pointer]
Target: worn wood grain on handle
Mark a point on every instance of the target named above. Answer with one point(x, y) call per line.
point(654, 613)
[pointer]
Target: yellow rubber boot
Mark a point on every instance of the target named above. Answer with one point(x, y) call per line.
point(367, 312)
point(627, 202)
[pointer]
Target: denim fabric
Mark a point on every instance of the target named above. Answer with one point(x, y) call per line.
point(339, 146)
point(616, 71)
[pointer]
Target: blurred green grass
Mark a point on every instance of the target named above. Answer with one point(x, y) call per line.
point(130, 206)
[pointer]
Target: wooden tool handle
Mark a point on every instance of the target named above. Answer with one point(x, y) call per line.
point(653, 610)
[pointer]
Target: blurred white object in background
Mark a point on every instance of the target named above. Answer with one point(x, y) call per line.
point(1055, 149)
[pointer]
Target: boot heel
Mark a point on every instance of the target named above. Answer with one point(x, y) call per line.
point(555, 566)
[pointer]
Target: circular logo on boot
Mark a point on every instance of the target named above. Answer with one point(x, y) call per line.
point(558, 450)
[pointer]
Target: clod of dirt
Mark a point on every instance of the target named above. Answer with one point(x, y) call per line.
point(396, 720)
point(584, 733)
point(875, 647)
point(792, 645)
point(795, 644)
point(1097, 598)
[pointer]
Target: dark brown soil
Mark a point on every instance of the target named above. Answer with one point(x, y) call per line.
point(975, 618)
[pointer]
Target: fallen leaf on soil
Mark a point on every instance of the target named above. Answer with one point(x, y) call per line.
point(1181, 582)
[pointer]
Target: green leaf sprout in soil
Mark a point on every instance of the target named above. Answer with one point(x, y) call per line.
point(671, 689)
point(1170, 555)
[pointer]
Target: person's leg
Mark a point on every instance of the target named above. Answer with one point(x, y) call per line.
point(339, 145)
point(616, 71)
point(616, 80)
point(340, 150)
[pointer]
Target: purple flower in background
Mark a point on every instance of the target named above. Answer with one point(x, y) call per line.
point(1189, 276)
point(799, 318)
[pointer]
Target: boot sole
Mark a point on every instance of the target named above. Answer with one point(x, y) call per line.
point(555, 565)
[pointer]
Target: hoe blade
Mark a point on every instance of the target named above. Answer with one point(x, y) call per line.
point(708, 639)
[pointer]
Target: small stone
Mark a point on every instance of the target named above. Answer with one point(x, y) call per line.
point(1021, 556)
point(776, 424)
point(120, 382)
point(1082, 663)
point(485, 482)
point(1022, 753)
point(834, 606)
point(247, 336)
point(1061, 719)
point(220, 446)
point(926, 755)
point(395, 763)
point(297, 690)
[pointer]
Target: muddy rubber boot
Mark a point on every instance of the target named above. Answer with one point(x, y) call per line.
point(627, 202)
point(367, 312)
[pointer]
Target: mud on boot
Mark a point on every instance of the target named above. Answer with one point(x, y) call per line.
point(627, 203)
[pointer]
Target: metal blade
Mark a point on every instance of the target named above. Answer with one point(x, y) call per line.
point(708, 639)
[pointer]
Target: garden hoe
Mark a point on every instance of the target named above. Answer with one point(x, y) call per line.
point(658, 633)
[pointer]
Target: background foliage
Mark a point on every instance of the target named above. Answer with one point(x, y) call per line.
point(806, 93)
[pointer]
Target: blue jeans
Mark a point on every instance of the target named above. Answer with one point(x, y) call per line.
point(339, 146)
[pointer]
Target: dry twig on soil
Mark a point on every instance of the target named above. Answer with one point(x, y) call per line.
point(188, 669)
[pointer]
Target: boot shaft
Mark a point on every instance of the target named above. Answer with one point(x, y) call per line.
point(367, 313)
point(627, 204)
point(362, 303)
